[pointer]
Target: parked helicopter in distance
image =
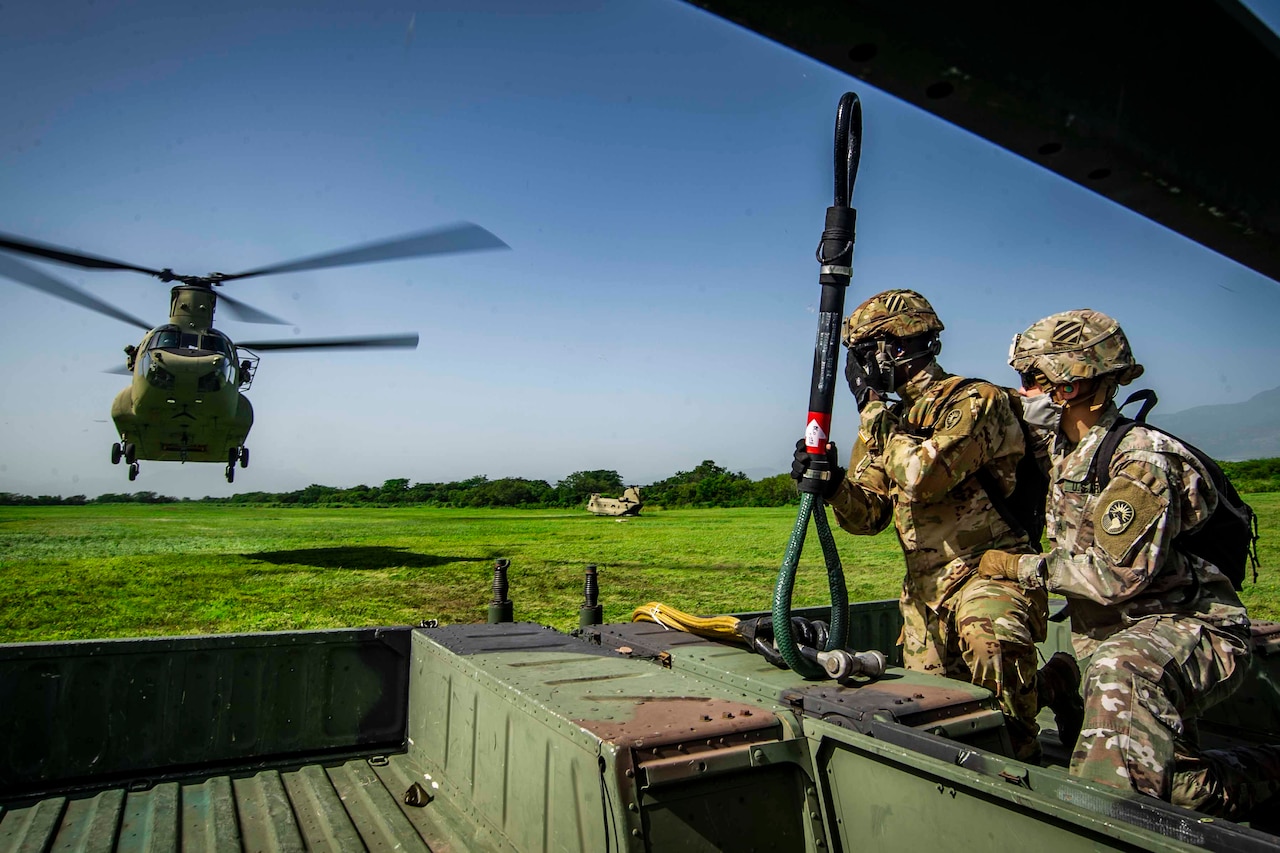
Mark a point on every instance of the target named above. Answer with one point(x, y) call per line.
point(627, 505)
point(185, 402)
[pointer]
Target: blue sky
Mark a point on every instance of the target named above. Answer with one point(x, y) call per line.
point(660, 175)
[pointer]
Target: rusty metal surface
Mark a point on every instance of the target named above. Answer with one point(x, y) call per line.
point(660, 721)
point(912, 702)
point(1266, 637)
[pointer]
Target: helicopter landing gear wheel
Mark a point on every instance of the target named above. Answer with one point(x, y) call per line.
point(117, 453)
point(244, 457)
point(130, 453)
point(231, 472)
point(133, 471)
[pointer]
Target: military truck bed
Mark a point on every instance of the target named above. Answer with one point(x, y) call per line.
point(350, 805)
point(516, 737)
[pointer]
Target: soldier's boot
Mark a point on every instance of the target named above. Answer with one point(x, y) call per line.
point(1026, 747)
point(1239, 782)
point(1058, 688)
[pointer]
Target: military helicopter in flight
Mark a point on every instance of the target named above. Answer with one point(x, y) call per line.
point(185, 402)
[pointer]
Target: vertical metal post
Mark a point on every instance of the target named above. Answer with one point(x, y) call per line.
point(500, 607)
point(591, 612)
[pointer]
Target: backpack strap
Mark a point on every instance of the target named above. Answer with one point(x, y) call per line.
point(1149, 400)
point(1100, 468)
point(1000, 503)
point(984, 475)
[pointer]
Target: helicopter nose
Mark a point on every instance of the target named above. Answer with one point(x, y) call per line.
point(189, 365)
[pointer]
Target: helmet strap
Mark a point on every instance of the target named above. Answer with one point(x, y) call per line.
point(1106, 390)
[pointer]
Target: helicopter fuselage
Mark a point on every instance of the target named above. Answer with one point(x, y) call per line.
point(184, 403)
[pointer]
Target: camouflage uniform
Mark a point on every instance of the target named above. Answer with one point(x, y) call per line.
point(1162, 633)
point(913, 464)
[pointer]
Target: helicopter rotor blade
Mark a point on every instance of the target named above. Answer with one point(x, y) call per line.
point(409, 341)
point(42, 281)
point(247, 313)
point(461, 237)
point(119, 370)
point(65, 256)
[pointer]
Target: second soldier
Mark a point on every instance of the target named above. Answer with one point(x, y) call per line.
point(927, 463)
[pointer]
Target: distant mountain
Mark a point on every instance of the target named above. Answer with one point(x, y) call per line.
point(1232, 432)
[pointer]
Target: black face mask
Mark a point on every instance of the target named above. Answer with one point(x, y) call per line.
point(881, 358)
point(876, 360)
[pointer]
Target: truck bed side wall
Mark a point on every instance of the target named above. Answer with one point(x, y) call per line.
point(96, 711)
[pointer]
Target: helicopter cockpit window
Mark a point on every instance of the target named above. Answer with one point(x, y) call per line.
point(174, 338)
point(169, 338)
point(218, 343)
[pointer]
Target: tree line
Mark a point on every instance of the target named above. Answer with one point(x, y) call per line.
point(707, 485)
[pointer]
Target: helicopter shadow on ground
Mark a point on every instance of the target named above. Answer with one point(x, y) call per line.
point(358, 558)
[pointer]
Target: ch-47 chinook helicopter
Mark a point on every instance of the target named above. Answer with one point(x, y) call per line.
point(186, 402)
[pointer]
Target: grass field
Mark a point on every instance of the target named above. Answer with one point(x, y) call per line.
point(131, 570)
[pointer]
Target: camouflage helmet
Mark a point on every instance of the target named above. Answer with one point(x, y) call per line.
point(1075, 345)
point(900, 313)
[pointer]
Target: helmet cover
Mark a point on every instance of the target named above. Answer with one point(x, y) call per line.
point(1075, 345)
point(897, 313)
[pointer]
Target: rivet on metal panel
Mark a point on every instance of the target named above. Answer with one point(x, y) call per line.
point(632, 807)
point(630, 774)
point(635, 833)
point(378, 760)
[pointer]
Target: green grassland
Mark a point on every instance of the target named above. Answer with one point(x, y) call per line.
point(134, 570)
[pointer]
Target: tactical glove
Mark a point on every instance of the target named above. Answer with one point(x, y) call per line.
point(999, 564)
point(859, 382)
point(801, 460)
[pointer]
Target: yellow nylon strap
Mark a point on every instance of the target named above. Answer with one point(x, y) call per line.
point(715, 627)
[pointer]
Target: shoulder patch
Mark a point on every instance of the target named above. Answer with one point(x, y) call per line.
point(1124, 512)
point(957, 419)
point(1117, 516)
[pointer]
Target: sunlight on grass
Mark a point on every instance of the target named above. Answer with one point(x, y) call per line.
point(131, 570)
